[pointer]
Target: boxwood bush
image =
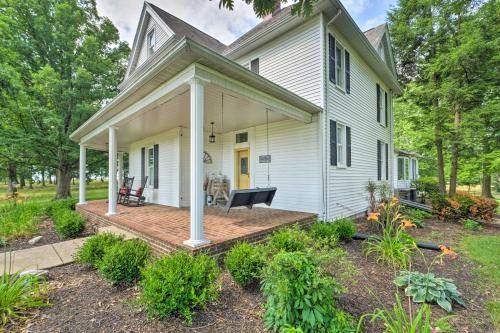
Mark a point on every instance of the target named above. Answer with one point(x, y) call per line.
point(122, 262)
point(341, 229)
point(289, 240)
point(93, 250)
point(68, 224)
point(179, 283)
point(61, 204)
point(245, 263)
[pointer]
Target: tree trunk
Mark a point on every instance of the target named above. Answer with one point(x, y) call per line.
point(11, 176)
point(22, 182)
point(486, 184)
point(49, 176)
point(438, 140)
point(43, 178)
point(455, 152)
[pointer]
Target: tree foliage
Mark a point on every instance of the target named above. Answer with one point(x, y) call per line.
point(62, 62)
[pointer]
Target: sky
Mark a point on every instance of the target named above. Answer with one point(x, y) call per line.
point(223, 24)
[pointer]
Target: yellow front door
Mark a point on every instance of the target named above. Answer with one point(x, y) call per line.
point(243, 168)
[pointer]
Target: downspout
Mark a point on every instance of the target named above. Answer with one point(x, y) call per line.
point(326, 118)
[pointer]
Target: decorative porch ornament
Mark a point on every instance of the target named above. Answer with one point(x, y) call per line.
point(211, 137)
point(207, 159)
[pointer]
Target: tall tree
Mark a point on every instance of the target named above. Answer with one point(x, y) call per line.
point(70, 61)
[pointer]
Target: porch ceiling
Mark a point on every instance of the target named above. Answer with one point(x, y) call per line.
point(170, 66)
point(239, 113)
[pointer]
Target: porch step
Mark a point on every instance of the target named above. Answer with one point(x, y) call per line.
point(416, 205)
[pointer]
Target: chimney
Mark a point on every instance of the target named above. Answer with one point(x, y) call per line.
point(277, 8)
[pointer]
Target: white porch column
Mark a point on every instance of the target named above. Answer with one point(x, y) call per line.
point(120, 170)
point(83, 180)
point(112, 189)
point(196, 160)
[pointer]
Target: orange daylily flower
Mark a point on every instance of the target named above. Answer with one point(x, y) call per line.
point(373, 216)
point(448, 251)
point(395, 200)
point(407, 224)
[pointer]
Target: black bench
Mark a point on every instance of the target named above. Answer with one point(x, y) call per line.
point(250, 197)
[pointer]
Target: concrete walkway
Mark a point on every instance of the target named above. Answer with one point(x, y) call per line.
point(51, 255)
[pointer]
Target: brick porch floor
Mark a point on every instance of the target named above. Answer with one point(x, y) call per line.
point(168, 227)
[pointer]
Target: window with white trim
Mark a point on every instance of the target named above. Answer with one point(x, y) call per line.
point(341, 145)
point(383, 106)
point(339, 65)
point(151, 42)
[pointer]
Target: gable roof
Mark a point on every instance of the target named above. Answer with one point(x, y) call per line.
point(375, 34)
point(183, 29)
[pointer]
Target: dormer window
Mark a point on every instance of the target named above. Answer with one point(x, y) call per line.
point(151, 40)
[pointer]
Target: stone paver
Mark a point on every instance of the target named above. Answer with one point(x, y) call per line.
point(39, 257)
point(67, 249)
point(51, 255)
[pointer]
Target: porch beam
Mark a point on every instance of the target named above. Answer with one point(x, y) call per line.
point(251, 93)
point(196, 160)
point(83, 179)
point(112, 188)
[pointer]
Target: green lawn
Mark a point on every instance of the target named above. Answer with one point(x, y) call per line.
point(95, 190)
point(486, 251)
point(21, 218)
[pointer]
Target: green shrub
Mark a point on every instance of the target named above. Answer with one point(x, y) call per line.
point(345, 229)
point(471, 225)
point(324, 232)
point(94, 248)
point(179, 283)
point(397, 320)
point(21, 219)
point(18, 294)
point(244, 263)
point(68, 224)
point(341, 229)
point(122, 262)
point(289, 240)
point(425, 287)
point(300, 295)
point(426, 187)
point(64, 204)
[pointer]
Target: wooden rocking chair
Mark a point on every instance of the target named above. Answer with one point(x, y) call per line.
point(136, 195)
point(125, 189)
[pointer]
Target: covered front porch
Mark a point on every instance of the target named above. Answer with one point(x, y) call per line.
point(178, 119)
point(168, 227)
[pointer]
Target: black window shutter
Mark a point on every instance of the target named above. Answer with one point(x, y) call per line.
point(379, 161)
point(331, 58)
point(378, 102)
point(333, 142)
point(386, 109)
point(347, 72)
point(143, 165)
point(156, 149)
point(348, 145)
point(386, 161)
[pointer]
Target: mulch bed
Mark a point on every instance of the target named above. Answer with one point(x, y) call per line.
point(83, 302)
point(375, 288)
point(49, 236)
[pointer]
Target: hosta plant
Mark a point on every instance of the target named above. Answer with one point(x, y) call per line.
point(425, 287)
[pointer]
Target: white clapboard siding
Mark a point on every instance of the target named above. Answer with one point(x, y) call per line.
point(293, 61)
point(213, 149)
point(161, 38)
point(168, 167)
point(358, 110)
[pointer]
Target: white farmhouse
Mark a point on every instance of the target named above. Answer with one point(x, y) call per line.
point(300, 104)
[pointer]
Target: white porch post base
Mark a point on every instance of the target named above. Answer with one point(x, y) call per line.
point(83, 180)
point(196, 238)
point(112, 188)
